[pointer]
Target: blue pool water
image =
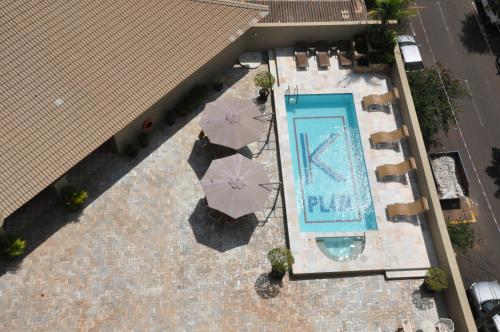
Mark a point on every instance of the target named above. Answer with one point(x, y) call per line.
point(331, 183)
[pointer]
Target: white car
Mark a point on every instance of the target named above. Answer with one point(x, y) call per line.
point(411, 53)
point(485, 296)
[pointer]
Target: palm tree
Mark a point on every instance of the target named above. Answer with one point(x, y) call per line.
point(386, 10)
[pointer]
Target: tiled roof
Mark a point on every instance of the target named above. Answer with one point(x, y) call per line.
point(291, 11)
point(75, 72)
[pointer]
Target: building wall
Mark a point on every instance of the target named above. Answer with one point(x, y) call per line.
point(266, 36)
point(456, 299)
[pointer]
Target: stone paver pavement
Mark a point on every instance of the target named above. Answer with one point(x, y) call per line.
point(144, 256)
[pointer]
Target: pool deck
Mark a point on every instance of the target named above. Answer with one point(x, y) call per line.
point(395, 246)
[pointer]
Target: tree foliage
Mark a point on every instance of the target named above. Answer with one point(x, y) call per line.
point(431, 102)
point(494, 169)
point(436, 279)
point(386, 10)
point(264, 80)
point(462, 237)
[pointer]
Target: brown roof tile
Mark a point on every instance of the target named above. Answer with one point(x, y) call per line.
point(293, 11)
point(108, 61)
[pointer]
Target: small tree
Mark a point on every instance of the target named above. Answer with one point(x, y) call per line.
point(281, 260)
point(431, 102)
point(386, 10)
point(264, 80)
point(462, 237)
point(73, 198)
point(435, 280)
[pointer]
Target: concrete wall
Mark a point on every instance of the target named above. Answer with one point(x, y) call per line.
point(266, 36)
point(157, 113)
point(456, 299)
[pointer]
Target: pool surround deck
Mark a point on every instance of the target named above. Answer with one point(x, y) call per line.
point(395, 245)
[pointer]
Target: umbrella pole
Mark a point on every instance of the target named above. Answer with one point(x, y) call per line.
point(275, 197)
point(266, 142)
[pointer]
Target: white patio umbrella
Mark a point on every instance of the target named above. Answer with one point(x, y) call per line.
point(235, 185)
point(232, 122)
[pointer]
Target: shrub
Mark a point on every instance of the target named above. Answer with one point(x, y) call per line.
point(386, 57)
point(264, 80)
point(436, 279)
point(431, 102)
point(73, 198)
point(462, 237)
point(12, 246)
point(281, 259)
point(382, 38)
point(193, 99)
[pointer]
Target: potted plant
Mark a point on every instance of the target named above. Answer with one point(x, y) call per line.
point(435, 280)
point(265, 81)
point(73, 198)
point(281, 260)
point(11, 246)
point(218, 83)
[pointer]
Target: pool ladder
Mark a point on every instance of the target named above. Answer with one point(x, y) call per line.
point(293, 97)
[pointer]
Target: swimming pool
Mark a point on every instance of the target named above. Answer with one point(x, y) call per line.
point(331, 183)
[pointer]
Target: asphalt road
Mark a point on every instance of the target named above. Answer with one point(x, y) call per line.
point(448, 32)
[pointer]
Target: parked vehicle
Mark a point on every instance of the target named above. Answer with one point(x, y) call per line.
point(410, 52)
point(492, 10)
point(484, 296)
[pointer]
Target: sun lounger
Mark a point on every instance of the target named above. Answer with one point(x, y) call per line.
point(301, 55)
point(407, 209)
point(344, 53)
point(323, 54)
point(374, 102)
point(396, 170)
point(389, 137)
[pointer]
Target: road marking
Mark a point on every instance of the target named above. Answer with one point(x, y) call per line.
point(455, 118)
point(412, 30)
point(474, 104)
point(445, 23)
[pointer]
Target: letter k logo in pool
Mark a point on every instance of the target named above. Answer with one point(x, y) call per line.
point(315, 157)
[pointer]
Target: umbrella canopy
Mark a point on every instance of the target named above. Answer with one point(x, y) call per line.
point(233, 185)
point(232, 122)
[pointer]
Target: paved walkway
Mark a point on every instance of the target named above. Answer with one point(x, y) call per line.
point(143, 255)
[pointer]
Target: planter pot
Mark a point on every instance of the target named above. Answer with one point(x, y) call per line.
point(277, 274)
point(263, 94)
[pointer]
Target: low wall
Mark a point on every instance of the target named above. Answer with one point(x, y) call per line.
point(456, 299)
point(267, 36)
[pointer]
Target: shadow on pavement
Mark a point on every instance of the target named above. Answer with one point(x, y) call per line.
point(45, 213)
point(267, 287)
point(493, 170)
point(470, 36)
point(221, 236)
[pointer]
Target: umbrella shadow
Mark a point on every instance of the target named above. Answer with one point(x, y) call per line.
point(202, 155)
point(267, 287)
point(221, 236)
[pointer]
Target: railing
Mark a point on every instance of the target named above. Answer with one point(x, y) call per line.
point(293, 97)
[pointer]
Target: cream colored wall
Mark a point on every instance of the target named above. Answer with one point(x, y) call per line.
point(266, 36)
point(456, 299)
